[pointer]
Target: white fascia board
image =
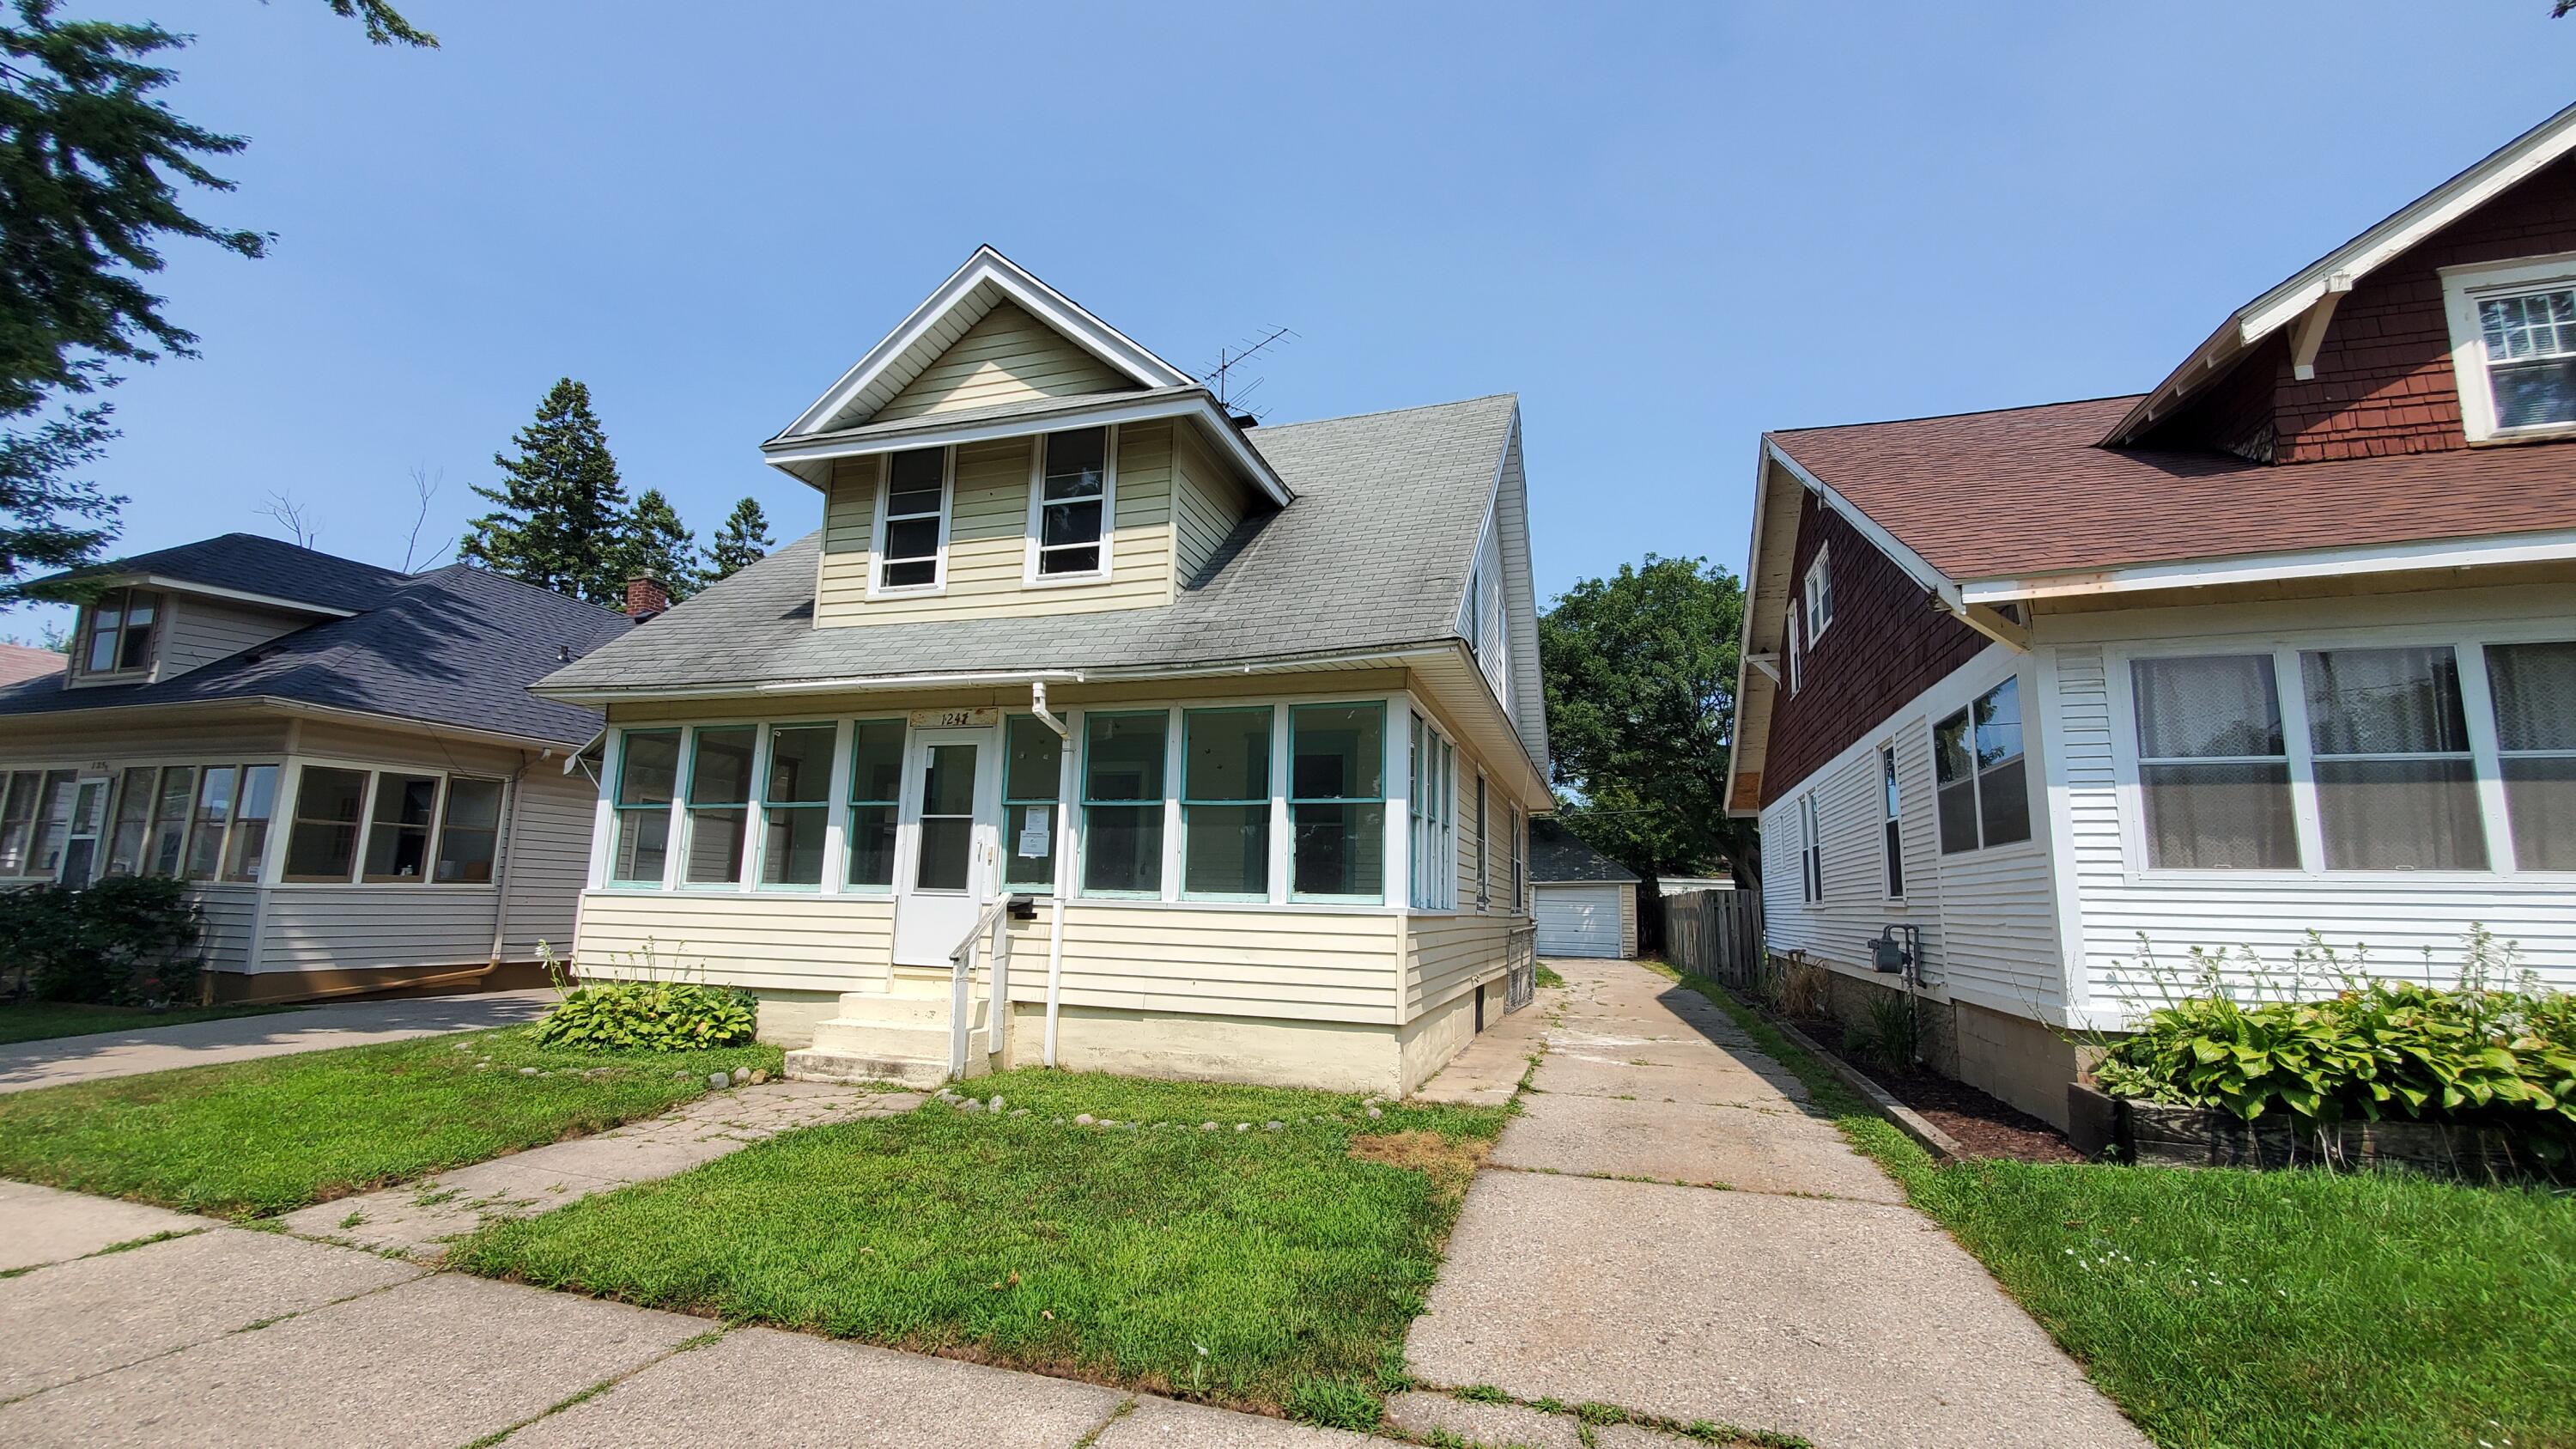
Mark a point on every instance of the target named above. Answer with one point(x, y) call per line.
point(864, 683)
point(2556, 545)
point(790, 454)
point(1046, 303)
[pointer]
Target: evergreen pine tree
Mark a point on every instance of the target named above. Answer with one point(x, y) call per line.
point(562, 515)
point(743, 541)
point(651, 541)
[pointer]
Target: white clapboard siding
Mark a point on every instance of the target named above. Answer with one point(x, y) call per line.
point(775, 940)
point(1007, 356)
point(1303, 965)
point(357, 928)
point(226, 913)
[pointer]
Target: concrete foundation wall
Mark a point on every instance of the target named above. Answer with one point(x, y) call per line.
point(788, 1018)
point(1328, 1055)
point(1428, 1041)
point(2018, 1060)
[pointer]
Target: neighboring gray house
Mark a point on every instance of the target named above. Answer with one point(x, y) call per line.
point(344, 759)
point(1587, 902)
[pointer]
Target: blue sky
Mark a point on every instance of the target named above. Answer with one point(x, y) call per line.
point(1666, 228)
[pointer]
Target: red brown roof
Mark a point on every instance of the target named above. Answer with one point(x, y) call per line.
point(17, 662)
point(2029, 490)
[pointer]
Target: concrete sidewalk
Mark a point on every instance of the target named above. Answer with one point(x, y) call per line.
point(52, 1062)
point(1670, 1227)
point(225, 1337)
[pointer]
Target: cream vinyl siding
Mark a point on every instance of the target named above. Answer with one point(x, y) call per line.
point(768, 940)
point(1301, 965)
point(1207, 503)
point(988, 525)
point(201, 631)
point(1445, 956)
point(231, 914)
point(2397, 914)
point(549, 857)
point(1007, 356)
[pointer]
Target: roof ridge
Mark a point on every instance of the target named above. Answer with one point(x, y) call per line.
point(518, 583)
point(2071, 402)
point(1387, 412)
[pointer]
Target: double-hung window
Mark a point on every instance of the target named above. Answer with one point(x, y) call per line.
point(1891, 823)
point(1069, 510)
point(2213, 763)
point(1032, 781)
point(1122, 803)
point(1337, 802)
point(912, 524)
point(1811, 852)
point(2513, 345)
point(648, 778)
point(2396, 787)
point(1434, 878)
point(1981, 793)
point(876, 783)
point(795, 804)
point(254, 802)
point(1819, 594)
point(2535, 709)
point(1225, 804)
point(719, 811)
point(120, 632)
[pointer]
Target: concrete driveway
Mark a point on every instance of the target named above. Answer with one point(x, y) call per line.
point(1669, 1227)
point(51, 1063)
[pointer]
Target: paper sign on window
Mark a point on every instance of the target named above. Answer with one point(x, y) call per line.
point(1035, 830)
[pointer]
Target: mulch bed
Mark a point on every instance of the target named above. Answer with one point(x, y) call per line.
point(1983, 1126)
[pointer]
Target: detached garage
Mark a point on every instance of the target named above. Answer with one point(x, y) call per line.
point(1587, 902)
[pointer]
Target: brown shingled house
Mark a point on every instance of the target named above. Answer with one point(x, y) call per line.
point(2287, 642)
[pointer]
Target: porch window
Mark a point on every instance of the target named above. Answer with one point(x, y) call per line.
point(1484, 872)
point(168, 842)
point(795, 804)
point(2213, 764)
point(1122, 803)
point(1980, 790)
point(469, 835)
point(53, 822)
point(1032, 783)
point(1520, 833)
point(120, 631)
point(648, 775)
point(913, 526)
point(1337, 802)
point(133, 819)
point(2396, 788)
point(1433, 878)
point(876, 782)
point(398, 829)
point(719, 805)
point(1891, 823)
point(322, 843)
point(2535, 710)
point(1225, 804)
point(18, 821)
point(214, 812)
point(1070, 528)
point(247, 842)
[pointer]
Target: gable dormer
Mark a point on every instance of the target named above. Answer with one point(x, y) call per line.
point(156, 616)
point(1004, 452)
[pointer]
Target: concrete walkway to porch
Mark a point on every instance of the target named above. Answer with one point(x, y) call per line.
point(56, 1060)
point(1669, 1227)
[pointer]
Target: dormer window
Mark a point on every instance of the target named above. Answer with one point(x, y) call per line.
point(912, 526)
point(1069, 507)
point(2513, 346)
point(119, 632)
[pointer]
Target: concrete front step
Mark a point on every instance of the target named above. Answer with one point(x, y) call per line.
point(827, 1066)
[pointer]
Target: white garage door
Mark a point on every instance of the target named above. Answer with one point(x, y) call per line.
point(1579, 920)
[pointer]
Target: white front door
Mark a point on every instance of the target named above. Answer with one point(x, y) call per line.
point(946, 842)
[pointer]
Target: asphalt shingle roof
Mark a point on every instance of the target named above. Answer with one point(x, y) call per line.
point(1557, 855)
point(454, 646)
point(251, 564)
point(1373, 552)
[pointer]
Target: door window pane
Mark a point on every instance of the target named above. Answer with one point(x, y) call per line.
point(2535, 704)
point(249, 839)
point(1032, 770)
point(648, 774)
point(947, 819)
point(1122, 792)
point(876, 779)
point(214, 811)
point(469, 835)
point(398, 832)
point(1337, 802)
point(719, 805)
point(796, 804)
point(1225, 803)
point(2395, 786)
point(2214, 771)
point(323, 843)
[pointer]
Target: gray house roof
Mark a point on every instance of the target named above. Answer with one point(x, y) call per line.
point(250, 564)
point(1372, 553)
point(454, 646)
point(1556, 856)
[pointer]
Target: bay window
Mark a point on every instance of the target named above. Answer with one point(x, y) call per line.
point(876, 785)
point(1981, 793)
point(1337, 802)
point(648, 777)
point(1032, 779)
point(2214, 763)
point(247, 842)
point(398, 829)
point(1069, 508)
point(133, 818)
point(795, 804)
point(719, 813)
point(1122, 803)
point(1225, 804)
point(322, 840)
point(214, 812)
point(2396, 787)
point(168, 841)
point(469, 833)
point(2534, 686)
point(912, 521)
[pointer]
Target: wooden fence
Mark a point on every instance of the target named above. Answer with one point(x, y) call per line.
point(1717, 934)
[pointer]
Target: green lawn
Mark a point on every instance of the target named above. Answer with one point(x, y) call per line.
point(2287, 1309)
point(39, 1020)
point(1265, 1269)
point(256, 1138)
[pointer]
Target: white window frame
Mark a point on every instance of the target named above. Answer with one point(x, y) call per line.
point(1811, 852)
point(1891, 825)
point(2034, 802)
point(85, 629)
point(877, 587)
point(1818, 592)
point(290, 792)
point(1029, 575)
point(1796, 653)
point(2463, 287)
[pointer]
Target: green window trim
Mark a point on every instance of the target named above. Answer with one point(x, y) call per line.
point(772, 809)
point(862, 800)
point(622, 810)
point(1158, 802)
point(1269, 844)
point(1359, 803)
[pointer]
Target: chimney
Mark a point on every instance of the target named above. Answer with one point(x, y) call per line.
point(646, 597)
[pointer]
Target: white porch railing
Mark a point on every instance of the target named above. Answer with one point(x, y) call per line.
point(995, 922)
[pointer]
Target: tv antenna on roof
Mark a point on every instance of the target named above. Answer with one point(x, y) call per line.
point(1221, 377)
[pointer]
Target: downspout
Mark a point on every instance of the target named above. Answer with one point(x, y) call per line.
point(508, 826)
point(1063, 854)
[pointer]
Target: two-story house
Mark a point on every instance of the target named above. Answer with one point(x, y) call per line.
point(1246, 719)
point(2287, 642)
point(343, 761)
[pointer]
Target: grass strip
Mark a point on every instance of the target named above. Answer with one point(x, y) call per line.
point(45, 1020)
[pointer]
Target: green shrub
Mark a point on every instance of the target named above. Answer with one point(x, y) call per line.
point(664, 1016)
point(1893, 1036)
point(122, 941)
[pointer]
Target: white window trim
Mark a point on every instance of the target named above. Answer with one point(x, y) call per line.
point(938, 584)
point(1811, 852)
point(1818, 592)
point(2477, 703)
point(2463, 287)
point(1892, 868)
point(290, 788)
point(2032, 803)
point(1796, 651)
point(1029, 575)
